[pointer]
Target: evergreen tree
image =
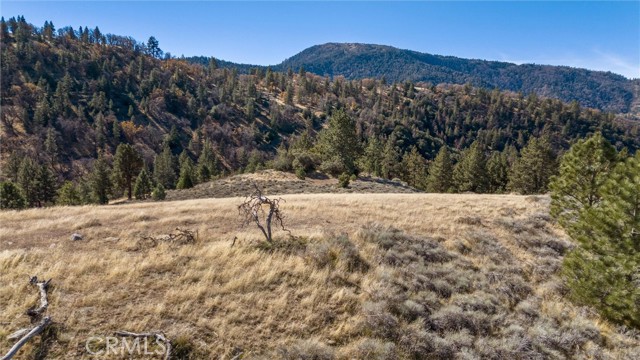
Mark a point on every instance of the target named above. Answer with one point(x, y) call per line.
point(206, 163)
point(498, 171)
point(338, 143)
point(158, 193)
point(186, 175)
point(470, 173)
point(391, 159)
point(582, 172)
point(126, 165)
point(12, 166)
point(164, 169)
point(603, 271)
point(28, 181)
point(69, 195)
point(371, 161)
point(99, 181)
point(415, 168)
point(533, 169)
point(46, 186)
point(440, 177)
point(11, 196)
point(51, 147)
point(143, 186)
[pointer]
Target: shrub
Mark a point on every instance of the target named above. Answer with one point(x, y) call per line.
point(308, 350)
point(343, 180)
point(300, 173)
point(158, 193)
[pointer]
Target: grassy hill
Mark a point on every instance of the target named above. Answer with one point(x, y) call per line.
point(366, 276)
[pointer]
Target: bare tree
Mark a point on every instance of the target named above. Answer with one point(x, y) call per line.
point(262, 211)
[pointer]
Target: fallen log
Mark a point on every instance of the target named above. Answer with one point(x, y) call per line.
point(44, 302)
point(35, 314)
point(33, 332)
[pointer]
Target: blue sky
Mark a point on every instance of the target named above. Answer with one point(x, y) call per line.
point(589, 34)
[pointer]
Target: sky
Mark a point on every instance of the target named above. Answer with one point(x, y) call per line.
point(588, 34)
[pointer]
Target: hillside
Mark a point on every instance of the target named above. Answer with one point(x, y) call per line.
point(70, 97)
point(280, 183)
point(368, 276)
point(596, 89)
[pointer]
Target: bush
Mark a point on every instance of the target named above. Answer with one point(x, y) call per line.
point(11, 196)
point(300, 173)
point(308, 350)
point(343, 180)
point(158, 193)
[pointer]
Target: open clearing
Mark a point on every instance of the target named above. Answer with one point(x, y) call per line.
point(367, 276)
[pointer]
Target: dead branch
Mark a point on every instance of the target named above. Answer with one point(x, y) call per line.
point(180, 236)
point(158, 335)
point(35, 314)
point(253, 210)
point(33, 332)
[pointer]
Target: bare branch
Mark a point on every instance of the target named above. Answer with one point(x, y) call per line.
point(253, 210)
point(33, 332)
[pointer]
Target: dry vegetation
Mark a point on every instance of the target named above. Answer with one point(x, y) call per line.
point(278, 183)
point(367, 276)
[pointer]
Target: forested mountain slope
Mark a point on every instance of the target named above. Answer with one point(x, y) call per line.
point(69, 95)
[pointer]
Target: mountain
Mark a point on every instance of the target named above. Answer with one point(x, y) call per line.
point(596, 89)
point(72, 95)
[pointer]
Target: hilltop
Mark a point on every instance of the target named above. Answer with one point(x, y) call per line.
point(366, 276)
point(596, 89)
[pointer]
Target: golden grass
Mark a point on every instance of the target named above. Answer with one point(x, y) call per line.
point(225, 299)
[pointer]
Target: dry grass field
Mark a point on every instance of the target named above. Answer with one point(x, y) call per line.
point(365, 276)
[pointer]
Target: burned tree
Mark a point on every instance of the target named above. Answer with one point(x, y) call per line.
point(262, 211)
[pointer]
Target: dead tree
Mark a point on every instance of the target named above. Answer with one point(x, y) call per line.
point(262, 211)
point(36, 317)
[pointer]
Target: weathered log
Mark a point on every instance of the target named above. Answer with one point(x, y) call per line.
point(158, 335)
point(44, 302)
point(33, 332)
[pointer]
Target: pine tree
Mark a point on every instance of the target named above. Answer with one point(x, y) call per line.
point(46, 186)
point(28, 181)
point(126, 165)
point(415, 168)
point(391, 157)
point(440, 172)
point(206, 163)
point(533, 169)
point(603, 271)
point(11, 196)
point(371, 161)
point(158, 193)
point(498, 171)
point(470, 173)
point(582, 172)
point(186, 175)
point(339, 144)
point(143, 186)
point(99, 181)
point(164, 168)
point(68, 194)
